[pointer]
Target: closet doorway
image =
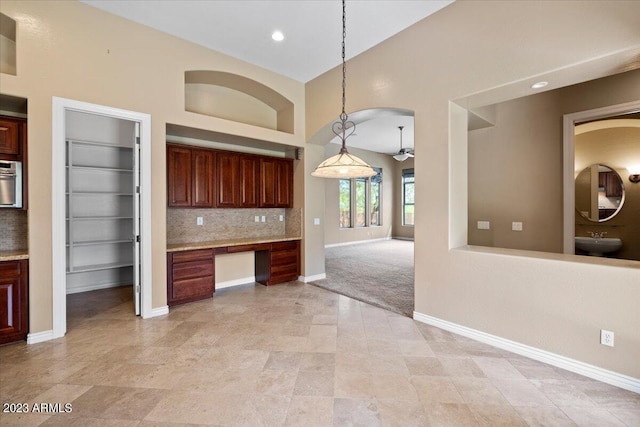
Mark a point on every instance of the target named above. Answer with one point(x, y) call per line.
point(101, 177)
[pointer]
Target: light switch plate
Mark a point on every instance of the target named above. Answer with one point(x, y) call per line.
point(264, 218)
point(316, 221)
point(199, 220)
point(281, 217)
point(484, 225)
point(516, 226)
point(257, 219)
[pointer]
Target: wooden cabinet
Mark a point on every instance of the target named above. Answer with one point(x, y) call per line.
point(249, 181)
point(13, 301)
point(179, 176)
point(228, 180)
point(11, 137)
point(202, 166)
point(190, 276)
point(611, 183)
point(279, 264)
point(190, 177)
point(204, 178)
point(276, 183)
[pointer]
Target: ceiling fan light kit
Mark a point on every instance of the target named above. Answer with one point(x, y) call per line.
point(344, 164)
point(404, 153)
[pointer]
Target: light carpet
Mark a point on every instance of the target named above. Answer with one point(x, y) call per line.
point(378, 273)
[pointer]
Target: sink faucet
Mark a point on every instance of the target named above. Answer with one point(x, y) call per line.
point(596, 234)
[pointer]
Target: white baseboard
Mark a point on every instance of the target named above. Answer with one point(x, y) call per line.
point(36, 337)
point(411, 239)
point(95, 287)
point(236, 282)
point(160, 311)
point(356, 242)
point(307, 279)
point(600, 374)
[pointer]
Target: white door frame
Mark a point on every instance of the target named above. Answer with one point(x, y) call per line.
point(569, 153)
point(59, 267)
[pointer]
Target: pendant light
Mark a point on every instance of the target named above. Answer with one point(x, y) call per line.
point(403, 154)
point(344, 164)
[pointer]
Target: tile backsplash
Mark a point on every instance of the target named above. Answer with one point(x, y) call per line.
point(222, 224)
point(13, 230)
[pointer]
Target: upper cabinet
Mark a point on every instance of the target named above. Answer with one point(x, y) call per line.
point(205, 178)
point(12, 138)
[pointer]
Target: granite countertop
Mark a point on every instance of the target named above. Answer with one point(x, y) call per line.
point(212, 244)
point(14, 255)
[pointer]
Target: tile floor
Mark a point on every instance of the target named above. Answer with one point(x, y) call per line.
point(288, 355)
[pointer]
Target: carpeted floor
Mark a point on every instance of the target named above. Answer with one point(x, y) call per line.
point(379, 273)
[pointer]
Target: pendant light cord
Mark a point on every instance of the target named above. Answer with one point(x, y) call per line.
point(343, 116)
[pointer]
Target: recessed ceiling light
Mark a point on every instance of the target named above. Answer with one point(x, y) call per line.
point(277, 36)
point(539, 85)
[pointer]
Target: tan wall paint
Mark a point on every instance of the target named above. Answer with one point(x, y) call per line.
point(234, 267)
point(553, 303)
point(333, 234)
point(617, 148)
point(400, 230)
point(71, 50)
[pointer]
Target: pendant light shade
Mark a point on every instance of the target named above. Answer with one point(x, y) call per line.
point(344, 164)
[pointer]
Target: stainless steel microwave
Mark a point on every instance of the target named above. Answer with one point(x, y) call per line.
point(10, 184)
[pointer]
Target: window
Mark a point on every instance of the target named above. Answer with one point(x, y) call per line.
point(360, 201)
point(408, 202)
point(345, 203)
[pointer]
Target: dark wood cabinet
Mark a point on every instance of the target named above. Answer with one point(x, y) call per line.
point(279, 264)
point(276, 186)
point(204, 178)
point(179, 176)
point(190, 276)
point(249, 181)
point(12, 137)
point(203, 167)
point(14, 301)
point(611, 183)
point(227, 180)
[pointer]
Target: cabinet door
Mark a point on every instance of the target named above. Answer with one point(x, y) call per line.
point(202, 162)
point(13, 301)
point(268, 182)
point(228, 185)
point(10, 136)
point(284, 183)
point(249, 181)
point(178, 176)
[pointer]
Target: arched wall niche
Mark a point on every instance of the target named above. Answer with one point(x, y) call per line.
point(233, 97)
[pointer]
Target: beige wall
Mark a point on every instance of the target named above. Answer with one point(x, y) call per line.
point(555, 303)
point(515, 166)
point(71, 50)
point(333, 234)
point(617, 148)
point(400, 230)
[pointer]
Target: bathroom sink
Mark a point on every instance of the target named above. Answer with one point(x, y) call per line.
point(598, 246)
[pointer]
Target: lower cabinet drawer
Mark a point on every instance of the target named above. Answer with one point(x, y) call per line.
point(189, 270)
point(193, 288)
point(285, 269)
point(9, 269)
point(284, 257)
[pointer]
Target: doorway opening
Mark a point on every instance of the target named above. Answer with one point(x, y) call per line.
point(101, 195)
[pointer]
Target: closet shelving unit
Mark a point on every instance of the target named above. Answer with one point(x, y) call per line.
point(99, 213)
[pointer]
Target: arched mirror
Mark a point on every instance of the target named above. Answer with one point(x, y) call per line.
point(599, 193)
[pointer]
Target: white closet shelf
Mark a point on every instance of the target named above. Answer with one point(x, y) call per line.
point(99, 168)
point(101, 242)
point(93, 218)
point(99, 144)
point(96, 267)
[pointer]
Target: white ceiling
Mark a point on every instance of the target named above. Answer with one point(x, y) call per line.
point(312, 44)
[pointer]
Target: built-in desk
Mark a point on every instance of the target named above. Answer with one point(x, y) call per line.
point(191, 266)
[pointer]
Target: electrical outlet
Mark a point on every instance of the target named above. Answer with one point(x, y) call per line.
point(264, 218)
point(281, 217)
point(606, 338)
point(257, 218)
point(484, 225)
point(516, 226)
point(199, 220)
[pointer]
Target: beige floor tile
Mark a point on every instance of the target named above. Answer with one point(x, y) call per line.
point(436, 390)
point(415, 348)
point(310, 383)
point(18, 390)
point(308, 411)
point(429, 366)
point(283, 360)
point(116, 403)
point(356, 413)
point(402, 413)
point(564, 393)
point(383, 363)
point(521, 393)
point(498, 368)
point(457, 367)
point(196, 407)
point(352, 362)
point(630, 417)
point(276, 382)
point(69, 421)
point(267, 411)
point(497, 416)
point(479, 391)
point(544, 416)
point(62, 393)
point(450, 414)
point(22, 419)
point(318, 362)
point(354, 384)
point(393, 386)
point(592, 417)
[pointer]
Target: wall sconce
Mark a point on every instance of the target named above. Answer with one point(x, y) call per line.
point(635, 174)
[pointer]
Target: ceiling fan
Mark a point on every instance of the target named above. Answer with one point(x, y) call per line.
point(404, 153)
